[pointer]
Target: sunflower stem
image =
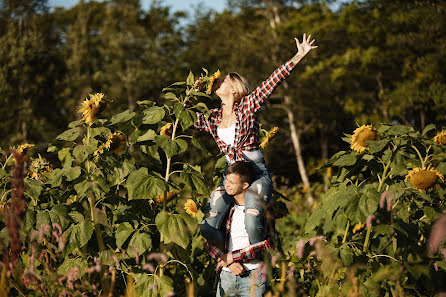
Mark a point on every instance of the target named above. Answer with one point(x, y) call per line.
point(96, 226)
point(419, 156)
point(169, 159)
point(346, 231)
point(367, 238)
point(384, 176)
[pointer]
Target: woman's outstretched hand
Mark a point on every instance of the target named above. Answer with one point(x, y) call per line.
point(303, 47)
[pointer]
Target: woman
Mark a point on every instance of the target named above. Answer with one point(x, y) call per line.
point(235, 128)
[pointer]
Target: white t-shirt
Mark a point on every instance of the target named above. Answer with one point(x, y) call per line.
point(238, 238)
point(227, 135)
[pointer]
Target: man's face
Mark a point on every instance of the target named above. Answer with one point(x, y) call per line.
point(234, 184)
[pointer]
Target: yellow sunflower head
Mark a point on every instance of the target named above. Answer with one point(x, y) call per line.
point(422, 178)
point(92, 107)
point(167, 130)
point(115, 142)
point(23, 148)
point(212, 79)
point(191, 207)
point(361, 135)
point(169, 195)
point(358, 227)
point(38, 166)
point(440, 138)
point(271, 133)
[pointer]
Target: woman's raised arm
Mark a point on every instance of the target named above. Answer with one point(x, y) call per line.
point(254, 101)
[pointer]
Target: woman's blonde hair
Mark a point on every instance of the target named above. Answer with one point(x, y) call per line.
point(240, 84)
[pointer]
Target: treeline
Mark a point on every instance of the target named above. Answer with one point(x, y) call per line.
point(377, 61)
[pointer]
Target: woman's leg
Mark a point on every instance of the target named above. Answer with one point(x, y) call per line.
point(256, 198)
point(216, 210)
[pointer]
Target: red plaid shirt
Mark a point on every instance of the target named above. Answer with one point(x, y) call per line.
point(246, 123)
point(249, 253)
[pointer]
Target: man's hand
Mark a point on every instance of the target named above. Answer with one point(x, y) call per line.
point(236, 268)
point(226, 260)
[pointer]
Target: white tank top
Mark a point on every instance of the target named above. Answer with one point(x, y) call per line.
point(227, 135)
point(238, 238)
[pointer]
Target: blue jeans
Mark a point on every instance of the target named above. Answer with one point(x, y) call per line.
point(256, 198)
point(230, 285)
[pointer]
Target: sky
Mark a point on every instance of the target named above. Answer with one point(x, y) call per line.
point(187, 5)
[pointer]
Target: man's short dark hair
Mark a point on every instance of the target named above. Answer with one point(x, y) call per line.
point(243, 169)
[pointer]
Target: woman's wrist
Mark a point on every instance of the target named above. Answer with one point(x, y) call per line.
point(297, 57)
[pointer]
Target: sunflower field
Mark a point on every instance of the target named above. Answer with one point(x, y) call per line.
point(118, 214)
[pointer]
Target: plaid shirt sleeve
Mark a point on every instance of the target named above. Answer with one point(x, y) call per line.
point(202, 123)
point(253, 251)
point(255, 100)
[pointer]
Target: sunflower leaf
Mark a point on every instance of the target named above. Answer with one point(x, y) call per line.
point(70, 134)
point(346, 160)
point(122, 117)
point(190, 78)
point(149, 135)
point(376, 146)
point(153, 115)
point(428, 128)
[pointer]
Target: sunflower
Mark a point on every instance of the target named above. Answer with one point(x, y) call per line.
point(212, 79)
point(358, 227)
point(440, 138)
point(422, 178)
point(361, 135)
point(271, 133)
point(23, 148)
point(167, 130)
point(160, 198)
point(92, 107)
point(191, 208)
point(38, 167)
point(115, 142)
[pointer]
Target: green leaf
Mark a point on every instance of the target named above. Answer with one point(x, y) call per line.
point(376, 146)
point(346, 160)
point(65, 157)
point(139, 244)
point(123, 232)
point(195, 181)
point(42, 218)
point(190, 79)
point(122, 117)
point(169, 146)
point(174, 228)
point(427, 129)
point(76, 216)
point(198, 145)
point(69, 264)
point(81, 152)
point(100, 131)
point(59, 215)
point(149, 135)
point(70, 134)
point(170, 96)
point(368, 203)
point(75, 123)
point(82, 187)
point(141, 185)
point(152, 285)
point(186, 119)
point(33, 187)
point(84, 231)
point(72, 173)
point(346, 254)
point(153, 115)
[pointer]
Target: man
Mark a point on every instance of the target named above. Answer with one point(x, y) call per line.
point(240, 266)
